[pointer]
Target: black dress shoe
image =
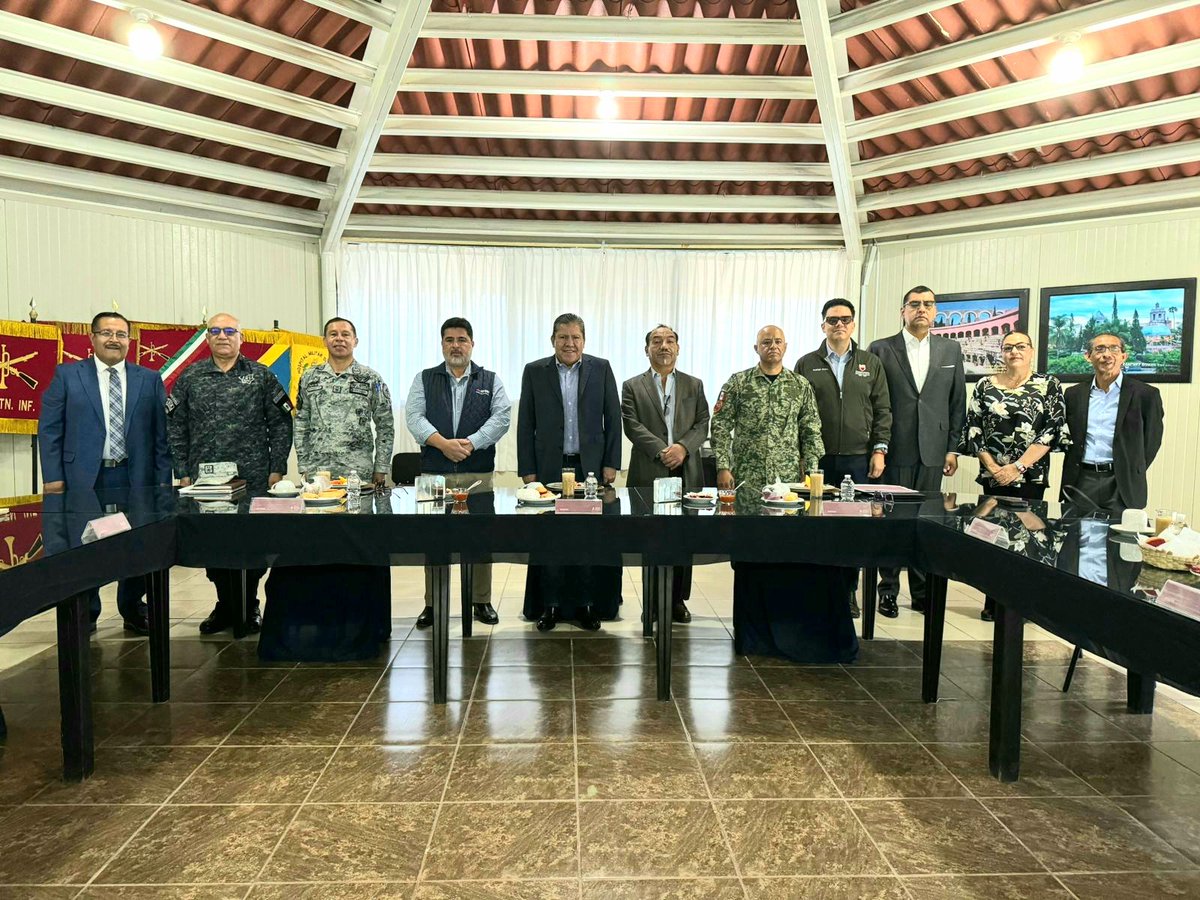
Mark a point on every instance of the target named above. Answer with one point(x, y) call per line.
point(989, 610)
point(887, 606)
point(855, 612)
point(680, 612)
point(548, 620)
point(254, 620)
point(588, 620)
point(918, 606)
point(425, 619)
point(486, 613)
point(215, 623)
point(138, 625)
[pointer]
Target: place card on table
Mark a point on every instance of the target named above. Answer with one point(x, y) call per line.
point(853, 509)
point(1180, 598)
point(987, 531)
point(276, 505)
point(106, 526)
point(578, 507)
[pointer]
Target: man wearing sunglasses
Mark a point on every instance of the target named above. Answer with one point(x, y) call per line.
point(928, 391)
point(102, 428)
point(852, 397)
point(230, 409)
point(1120, 420)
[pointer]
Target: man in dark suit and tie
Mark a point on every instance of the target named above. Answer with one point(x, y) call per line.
point(103, 427)
point(1116, 429)
point(928, 392)
point(569, 418)
point(666, 418)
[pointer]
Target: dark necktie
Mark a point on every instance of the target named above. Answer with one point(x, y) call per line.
point(116, 416)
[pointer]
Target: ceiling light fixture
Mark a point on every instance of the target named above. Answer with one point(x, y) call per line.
point(144, 40)
point(1067, 64)
point(607, 106)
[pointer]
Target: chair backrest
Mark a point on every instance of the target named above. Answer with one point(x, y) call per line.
point(405, 468)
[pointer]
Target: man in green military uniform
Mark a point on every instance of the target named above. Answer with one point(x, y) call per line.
point(338, 403)
point(230, 409)
point(765, 426)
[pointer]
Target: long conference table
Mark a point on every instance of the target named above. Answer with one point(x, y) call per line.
point(1041, 562)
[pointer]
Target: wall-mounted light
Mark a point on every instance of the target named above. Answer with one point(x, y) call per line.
point(1067, 64)
point(144, 40)
point(607, 106)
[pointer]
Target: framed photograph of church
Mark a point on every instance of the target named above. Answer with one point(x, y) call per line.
point(1155, 319)
point(978, 321)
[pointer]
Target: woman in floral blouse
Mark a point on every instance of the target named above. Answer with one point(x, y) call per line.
point(1014, 419)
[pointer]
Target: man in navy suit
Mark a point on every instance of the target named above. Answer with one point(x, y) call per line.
point(570, 418)
point(103, 428)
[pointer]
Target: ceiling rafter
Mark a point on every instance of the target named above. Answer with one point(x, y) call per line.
point(614, 29)
point(603, 130)
point(64, 41)
point(1174, 154)
point(827, 57)
point(1161, 196)
point(155, 157)
point(597, 202)
point(369, 12)
point(619, 169)
point(376, 102)
point(1096, 17)
point(1171, 58)
point(198, 20)
point(622, 84)
point(1048, 134)
point(882, 13)
point(58, 93)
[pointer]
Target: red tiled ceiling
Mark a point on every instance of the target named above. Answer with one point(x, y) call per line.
point(606, 185)
point(632, 151)
point(557, 215)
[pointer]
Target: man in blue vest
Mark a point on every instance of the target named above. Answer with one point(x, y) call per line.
point(457, 412)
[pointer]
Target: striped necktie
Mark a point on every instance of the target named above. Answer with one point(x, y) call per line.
point(116, 416)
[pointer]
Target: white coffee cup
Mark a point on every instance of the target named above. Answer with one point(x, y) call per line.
point(1132, 519)
point(283, 487)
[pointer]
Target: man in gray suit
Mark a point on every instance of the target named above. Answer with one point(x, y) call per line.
point(665, 416)
point(928, 394)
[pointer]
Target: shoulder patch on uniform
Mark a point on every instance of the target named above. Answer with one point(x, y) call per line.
point(720, 402)
point(280, 399)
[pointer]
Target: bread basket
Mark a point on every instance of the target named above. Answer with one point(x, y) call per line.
point(1161, 559)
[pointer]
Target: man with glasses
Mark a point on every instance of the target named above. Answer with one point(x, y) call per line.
point(103, 428)
point(457, 412)
point(1117, 423)
point(928, 392)
point(852, 397)
point(666, 419)
point(230, 409)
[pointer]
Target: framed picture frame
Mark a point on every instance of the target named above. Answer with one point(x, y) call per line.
point(978, 321)
point(1156, 319)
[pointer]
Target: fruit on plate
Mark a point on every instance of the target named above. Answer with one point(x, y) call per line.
point(699, 496)
point(791, 497)
point(331, 494)
point(1155, 542)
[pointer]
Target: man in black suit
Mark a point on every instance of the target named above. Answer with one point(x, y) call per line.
point(1116, 429)
point(569, 418)
point(928, 393)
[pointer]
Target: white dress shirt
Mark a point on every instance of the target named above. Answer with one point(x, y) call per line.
point(666, 401)
point(918, 357)
point(103, 376)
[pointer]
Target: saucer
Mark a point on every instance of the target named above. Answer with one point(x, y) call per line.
point(285, 494)
point(1130, 529)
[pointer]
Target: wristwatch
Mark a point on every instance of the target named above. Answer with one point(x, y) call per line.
point(1021, 467)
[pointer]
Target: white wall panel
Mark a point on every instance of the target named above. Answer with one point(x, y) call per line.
point(75, 261)
point(1167, 246)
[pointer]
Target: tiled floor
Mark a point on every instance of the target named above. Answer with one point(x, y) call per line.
point(555, 773)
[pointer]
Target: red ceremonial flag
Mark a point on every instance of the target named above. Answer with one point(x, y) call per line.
point(20, 531)
point(28, 354)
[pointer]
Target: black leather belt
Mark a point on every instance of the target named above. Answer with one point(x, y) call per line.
point(571, 459)
point(113, 463)
point(1097, 467)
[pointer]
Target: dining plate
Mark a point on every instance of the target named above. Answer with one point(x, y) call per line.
point(784, 504)
point(1130, 529)
point(549, 501)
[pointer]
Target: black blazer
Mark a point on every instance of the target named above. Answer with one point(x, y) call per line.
point(540, 419)
point(1136, 440)
point(926, 425)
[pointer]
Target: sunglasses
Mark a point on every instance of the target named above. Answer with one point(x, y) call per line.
point(838, 320)
point(228, 331)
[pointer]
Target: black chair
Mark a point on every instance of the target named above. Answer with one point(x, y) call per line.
point(405, 468)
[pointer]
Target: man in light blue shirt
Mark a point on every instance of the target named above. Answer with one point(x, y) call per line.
point(457, 412)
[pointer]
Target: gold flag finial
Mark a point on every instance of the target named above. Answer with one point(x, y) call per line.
point(114, 306)
point(33, 313)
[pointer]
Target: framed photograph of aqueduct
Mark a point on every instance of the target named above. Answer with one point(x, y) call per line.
point(1155, 319)
point(978, 321)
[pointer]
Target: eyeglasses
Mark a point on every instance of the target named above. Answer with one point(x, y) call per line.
point(1015, 348)
point(109, 335)
point(884, 500)
point(1114, 349)
point(228, 331)
point(838, 320)
point(921, 304)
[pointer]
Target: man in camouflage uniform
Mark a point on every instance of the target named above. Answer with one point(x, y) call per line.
point(336, 406)
point(230, 409)
point(765, 425)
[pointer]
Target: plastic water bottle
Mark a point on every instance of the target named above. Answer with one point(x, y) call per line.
point(353, 490)
point(847, 494)
point(591, 487)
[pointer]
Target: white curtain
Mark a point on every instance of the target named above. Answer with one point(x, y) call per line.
point(399, 294)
